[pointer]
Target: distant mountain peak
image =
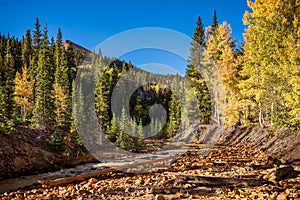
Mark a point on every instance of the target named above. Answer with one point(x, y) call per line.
point(68, 43)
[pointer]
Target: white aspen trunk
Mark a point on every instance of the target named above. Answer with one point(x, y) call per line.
point(260, 116)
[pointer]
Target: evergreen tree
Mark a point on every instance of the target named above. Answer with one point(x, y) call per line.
point(60, 103)
point(132, 140)
point(58, 49)
point(123, 138)
point(61, 93)
point(199, 33)
point(37, 34)
point(174, 117)
point(56, 142)
point(104, 91)
point(8, 75)
point(43, 107)
point(36, 44)
point(70, 60)
point(26, 49)
point(4, 121)
point(8, 67)
point(78, 116)
point(103, 100)
point(113, 130)
point(214, 24)
point(194, 76)
point(140, 135)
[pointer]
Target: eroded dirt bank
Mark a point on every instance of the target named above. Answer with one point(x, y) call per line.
point(27, 152)
point(280, 143)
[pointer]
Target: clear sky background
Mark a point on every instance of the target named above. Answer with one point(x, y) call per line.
point(90, 22)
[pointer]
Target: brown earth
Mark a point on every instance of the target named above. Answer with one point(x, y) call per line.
point(280, 143)
point(27, 152)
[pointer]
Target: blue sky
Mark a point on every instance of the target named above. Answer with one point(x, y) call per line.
point(90, 22)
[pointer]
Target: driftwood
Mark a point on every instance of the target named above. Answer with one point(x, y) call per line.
point(207, 181)
point(197, 184)
point(60, 181)
point(281, 173)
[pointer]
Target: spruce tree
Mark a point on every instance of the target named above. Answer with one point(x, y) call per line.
point(174, 116)
point(78, 115)
point(61, 85)
point(36, 44)
point(140, 135)
point(69, 59)
point(43, 107)
point(214, 24)
point(58, 49)
point(199, 33)
point(9, 73)
point(26, 49)
point(194, 76)
point(103, 100)
point(113, 130)
point(3, 109)
point(37, 34)
point(123, 138)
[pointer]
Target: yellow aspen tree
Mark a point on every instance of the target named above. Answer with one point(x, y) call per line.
point(219, 49)
point(60, 102)
point(23, 92)
point(270, 66)
point(292, 42)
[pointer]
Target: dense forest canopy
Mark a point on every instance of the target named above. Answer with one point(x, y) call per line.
point(261, 79)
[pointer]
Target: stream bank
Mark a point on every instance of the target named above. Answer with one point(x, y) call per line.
point(27, 152)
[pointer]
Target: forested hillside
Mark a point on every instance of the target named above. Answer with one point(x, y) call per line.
point(37, 83)
point(260, 77)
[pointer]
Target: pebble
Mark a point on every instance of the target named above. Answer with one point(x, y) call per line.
point(282, 196)
point(160, 197)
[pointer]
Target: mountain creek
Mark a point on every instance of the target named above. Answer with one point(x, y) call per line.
point(246, 163)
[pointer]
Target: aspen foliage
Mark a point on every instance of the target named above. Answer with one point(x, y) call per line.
point(219, 50)
point(23, 92)
point(271, 62)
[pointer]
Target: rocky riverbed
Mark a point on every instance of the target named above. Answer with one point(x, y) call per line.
point(229, 171)
point(246, 163)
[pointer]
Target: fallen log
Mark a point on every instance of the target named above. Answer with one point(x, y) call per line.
point(70, 179)
point(281, 173)
point(208, 181)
